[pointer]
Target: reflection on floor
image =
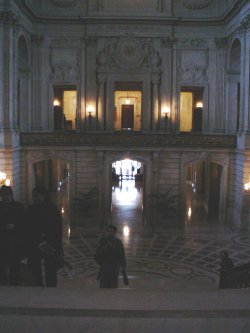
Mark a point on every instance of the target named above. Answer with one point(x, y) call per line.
point(166, 259)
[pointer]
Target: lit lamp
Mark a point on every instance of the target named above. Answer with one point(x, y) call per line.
point(3, 179)
point(90, 110)
point(165, 113)
point(247, 186)
point(56, 102)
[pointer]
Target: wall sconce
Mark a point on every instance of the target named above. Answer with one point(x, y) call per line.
point(247, 186)
point(199, 105)
point(56, 102)
point(90, 110)
point(3, 179)
point(166, 113)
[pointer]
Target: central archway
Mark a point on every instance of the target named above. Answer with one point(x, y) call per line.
point(127, 193)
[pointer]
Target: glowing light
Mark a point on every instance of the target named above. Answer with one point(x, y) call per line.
point(165, 111)
point(69, 232)
point(199, 105)
point(62, 210)
point(126, 231)
point(56, 102)
point(247, 186)
point(7, 182)
point(127, 101)
point(189, 212)
point(90, 109)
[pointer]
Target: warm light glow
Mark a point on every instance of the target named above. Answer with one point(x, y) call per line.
point(90, 109)
point(247, 186)
point(7, 182)
point(199, 105)
point(69, 232)
point(165, 111)
point(127, 101)
point(56, 102)
point(126, 231)
point(2, 176)
point(189, 212)
point(62, 210)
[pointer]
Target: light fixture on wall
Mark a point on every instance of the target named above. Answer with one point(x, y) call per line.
point(247, 186)
point(3, 179)
point(165, 114)
point(199, 105)
point(56, 102)
point(90, 111)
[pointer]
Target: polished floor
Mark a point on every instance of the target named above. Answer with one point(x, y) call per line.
point(164, 259)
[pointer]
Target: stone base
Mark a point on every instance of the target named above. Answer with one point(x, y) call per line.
point(123, 311)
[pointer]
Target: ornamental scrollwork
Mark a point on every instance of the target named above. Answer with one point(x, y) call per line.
point(64, 3)
point(196, 4)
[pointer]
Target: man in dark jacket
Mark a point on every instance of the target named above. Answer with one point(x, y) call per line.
point(44, 221)
point(110, 256)
point(11, 237)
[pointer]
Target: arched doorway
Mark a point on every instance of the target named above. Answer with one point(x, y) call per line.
point(127, 193)
point(203, 192)
point(54, 175)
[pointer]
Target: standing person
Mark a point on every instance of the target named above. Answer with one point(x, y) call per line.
point(226, 264)
point(11, 232)
point(44, 221)
point(110, 256)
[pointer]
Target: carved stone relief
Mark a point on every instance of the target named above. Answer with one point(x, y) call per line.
point(64, 3)
point(196, 4)
point(193, 67)
point(130, 53)
point(245, 23)
point(194, 42)
point(64, 64)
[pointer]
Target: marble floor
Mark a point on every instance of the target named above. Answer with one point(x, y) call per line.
point(164, 259)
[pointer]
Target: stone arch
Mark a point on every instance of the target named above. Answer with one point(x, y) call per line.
point(106, 159)
point(23, 85)
point(206, 177)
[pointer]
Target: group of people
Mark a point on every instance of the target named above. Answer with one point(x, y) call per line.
point(25, 231)
point(22, 230)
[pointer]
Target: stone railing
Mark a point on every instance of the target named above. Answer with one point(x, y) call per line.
point(128, 139)
point(236, 277)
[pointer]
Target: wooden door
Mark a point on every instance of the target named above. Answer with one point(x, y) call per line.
point(127, 116)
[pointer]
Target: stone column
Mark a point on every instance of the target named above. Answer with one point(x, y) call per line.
point(245, 72)
point(36, 119)
point(8, 25)
point(81, 116)
point(219, 121)
point(101, 78)
point(155, 79)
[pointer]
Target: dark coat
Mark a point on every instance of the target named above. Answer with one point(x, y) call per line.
point(11, 241)
point(110, 256)
point(44, 218)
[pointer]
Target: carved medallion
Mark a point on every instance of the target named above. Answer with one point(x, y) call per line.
point(64, 3)
point(129, 53)
point(196, 4)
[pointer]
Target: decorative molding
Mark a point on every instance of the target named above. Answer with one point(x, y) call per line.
point(64, 3)
point(245, 24)
point(65, 42)
point(37, 40)
point(193, 42)
point(196, 4)
point(127, 140)
point(168, 42)
point(64, 71)
point(8, 17)
point(221, 42)
point(129, 53)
